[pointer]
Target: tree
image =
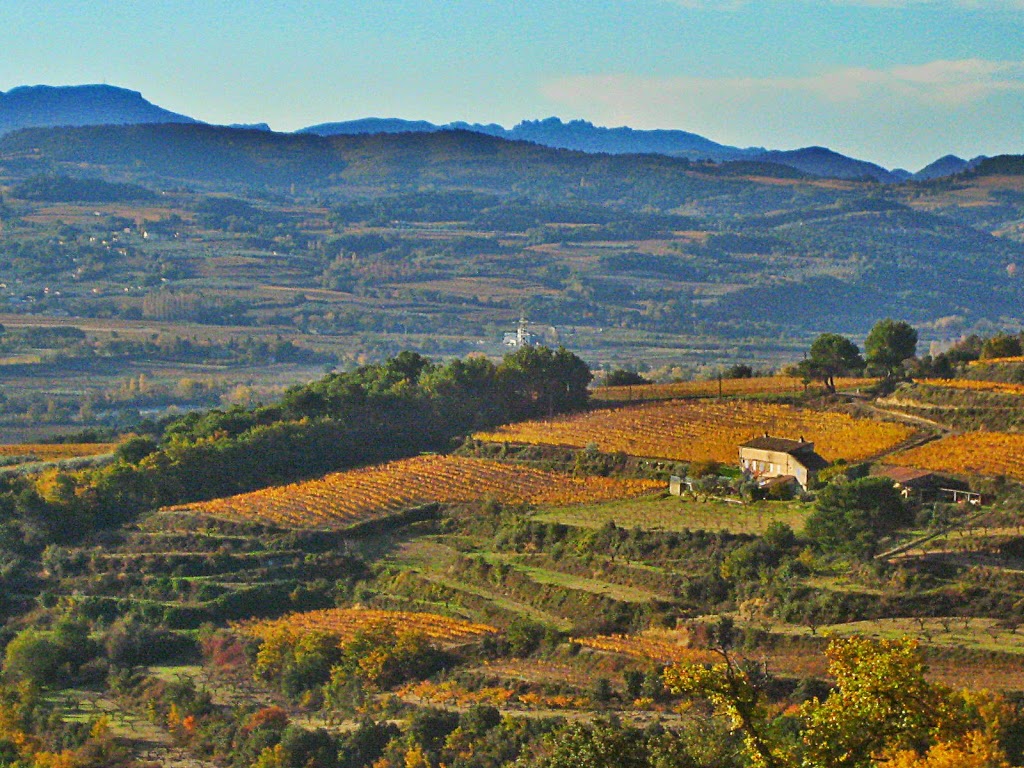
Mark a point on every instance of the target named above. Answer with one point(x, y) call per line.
point(851, 517)
point(1001, 345)
point(882, 708)
point(830, 355)
point(888, 344)
point(542, 382)
point(622, 377)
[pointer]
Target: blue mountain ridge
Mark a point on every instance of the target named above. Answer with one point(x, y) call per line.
point(80, 105)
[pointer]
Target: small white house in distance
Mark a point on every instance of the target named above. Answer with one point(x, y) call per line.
point(677, 486)
point(767, 457)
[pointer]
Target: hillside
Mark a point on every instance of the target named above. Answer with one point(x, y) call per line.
point(366, 244)
point(538, 586)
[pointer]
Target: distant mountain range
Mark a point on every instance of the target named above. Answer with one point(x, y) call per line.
point(579, 135)
point(48, 106)
point(87, 105)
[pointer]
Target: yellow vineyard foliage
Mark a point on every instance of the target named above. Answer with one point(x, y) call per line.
point(758, 385)
point(451, 693)
point(660, 647)
point(997, 360)
point(972, 453)
point(689, 430)
point(56, 451)
point(345, 623)
point(1000, 387)
point(345, 498)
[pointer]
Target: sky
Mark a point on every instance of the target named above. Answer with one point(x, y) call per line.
point(896, 82)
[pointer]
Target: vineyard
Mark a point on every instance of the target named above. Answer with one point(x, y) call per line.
point(661, 647)
point(347, 622)
point(758, 385)
point(975, 453)
point(689, 430)
point(997, 361)
point(54, 451)
point(346, 498)
point(974, 385)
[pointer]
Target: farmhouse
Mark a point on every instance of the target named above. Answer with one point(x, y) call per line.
point(910, 481)
point(766, 457)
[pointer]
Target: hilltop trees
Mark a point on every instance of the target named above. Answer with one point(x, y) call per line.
point(541, 381)
point(1001, 345)
point(888, 344)
point(830, 355)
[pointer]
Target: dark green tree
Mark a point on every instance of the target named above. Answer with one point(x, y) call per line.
point(888, 344)
point(830, 355)
point(1001, 345)
point(852, 517)
point(623, 377)
point(541, 381)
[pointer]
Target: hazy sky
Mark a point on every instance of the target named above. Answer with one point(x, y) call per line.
point(898, 82)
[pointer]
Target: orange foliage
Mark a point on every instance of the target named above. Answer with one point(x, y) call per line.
point(972, 453)
point(1000, 387)
point(663, 648)
point(346, 498)
point(450, 693)
point(758, 385)
point(344, 623)
point(974, 750)
point(56, 451)
point(689, 430)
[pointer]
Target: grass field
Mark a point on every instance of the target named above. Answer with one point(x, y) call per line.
point(672, 513)
point(622, 592)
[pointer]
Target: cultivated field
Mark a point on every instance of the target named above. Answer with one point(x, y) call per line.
point(346, 622)
point(54, 451)
point(689, 430)
point(1000, 387)
point(661, 646)
point(974, 453)
point(763, 385)
point(346, 498)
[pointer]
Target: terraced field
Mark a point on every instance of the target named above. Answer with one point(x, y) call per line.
point(346, 498)
point(346, 622)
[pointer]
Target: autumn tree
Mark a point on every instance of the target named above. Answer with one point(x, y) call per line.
point(882, 710)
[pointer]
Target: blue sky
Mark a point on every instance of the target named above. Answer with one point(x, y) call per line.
point(898, 82)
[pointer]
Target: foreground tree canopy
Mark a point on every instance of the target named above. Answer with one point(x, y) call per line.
point(883, 711)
